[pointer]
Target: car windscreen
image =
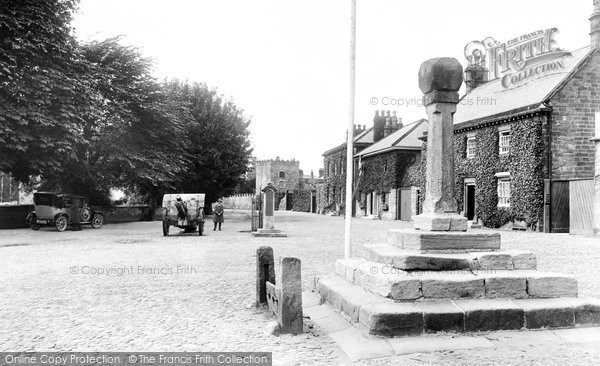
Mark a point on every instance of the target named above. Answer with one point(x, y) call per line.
point(44, 199)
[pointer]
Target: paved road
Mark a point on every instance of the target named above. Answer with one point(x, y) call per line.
point(126, 287)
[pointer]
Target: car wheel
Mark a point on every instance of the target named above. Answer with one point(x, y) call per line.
point(165, 228)
point(97, 221)
point(86, 214)
point(62, 223)
point(33, 223)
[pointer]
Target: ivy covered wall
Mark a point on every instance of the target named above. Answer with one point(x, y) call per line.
point(334, 179)
point(302, 201)
point(525, 163)
point(395, 169)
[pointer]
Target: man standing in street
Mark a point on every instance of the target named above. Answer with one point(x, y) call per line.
point(218, 214)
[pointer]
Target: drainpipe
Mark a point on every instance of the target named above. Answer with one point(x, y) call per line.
point(547, 180)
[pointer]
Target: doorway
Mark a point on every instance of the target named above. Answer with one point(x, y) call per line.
point(560, 207)
point(469, 201)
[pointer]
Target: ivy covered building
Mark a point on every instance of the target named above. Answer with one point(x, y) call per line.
point(390, 175)
point(524, 153)
point(332, 195)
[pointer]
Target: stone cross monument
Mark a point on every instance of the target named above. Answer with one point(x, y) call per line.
point(440, 79)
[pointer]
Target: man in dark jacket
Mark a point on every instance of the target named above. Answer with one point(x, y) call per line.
point(218, 214)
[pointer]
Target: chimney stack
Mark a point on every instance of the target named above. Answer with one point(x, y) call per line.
point(388, 128)
point(475, 76)
point(595, 26)
point(396, 122)
point(378, 126)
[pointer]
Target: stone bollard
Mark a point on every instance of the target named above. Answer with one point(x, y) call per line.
point(283, 291)
point(440, 79)
point(265, 272)
point(289, 291)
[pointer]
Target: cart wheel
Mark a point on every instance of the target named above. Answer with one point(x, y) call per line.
point(165, 228)
point(33, 223)
point(200, 228)
point(62, 223)
point(97, 221)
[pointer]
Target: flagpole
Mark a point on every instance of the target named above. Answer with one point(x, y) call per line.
point(350, 136)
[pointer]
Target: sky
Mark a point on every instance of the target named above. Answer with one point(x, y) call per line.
point(286, 63)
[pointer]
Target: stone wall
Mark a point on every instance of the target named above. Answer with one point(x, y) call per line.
point(13, 217)
point(238, 202)
point(572, 123)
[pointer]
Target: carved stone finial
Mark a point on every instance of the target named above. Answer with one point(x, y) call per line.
point(440, 74)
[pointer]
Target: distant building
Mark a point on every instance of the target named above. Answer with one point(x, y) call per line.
point(332, 193)
point(285, 175)
point(389, 175)
point(11, 191)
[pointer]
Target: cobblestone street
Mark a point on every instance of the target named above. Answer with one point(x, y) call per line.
point(125, 287)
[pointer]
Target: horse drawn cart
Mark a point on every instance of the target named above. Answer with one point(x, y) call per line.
point(185, 211)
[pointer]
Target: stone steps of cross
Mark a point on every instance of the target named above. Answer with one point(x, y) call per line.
point(443, 241)
point(390, 282)
point(383, 316)
point(414, 260)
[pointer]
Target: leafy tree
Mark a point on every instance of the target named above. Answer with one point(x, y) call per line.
point(219, 148)
point(85, 118)
point(41, 87)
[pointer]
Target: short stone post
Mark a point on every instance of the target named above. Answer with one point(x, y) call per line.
point(440, 79)
point(289, 290)
point(265, 272)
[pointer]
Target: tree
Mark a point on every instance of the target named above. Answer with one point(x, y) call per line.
point(86, 118)
point(219, 148)
point(41, 87)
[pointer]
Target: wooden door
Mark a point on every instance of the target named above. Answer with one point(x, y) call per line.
point(405, 214)
point(581, 204)
point(560, 207)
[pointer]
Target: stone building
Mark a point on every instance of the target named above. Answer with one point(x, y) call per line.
point(389, 175)
point(285, 175)
point(334, 177)
point(523, 140)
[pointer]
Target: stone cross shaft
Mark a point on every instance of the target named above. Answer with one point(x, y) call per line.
point(440, 79)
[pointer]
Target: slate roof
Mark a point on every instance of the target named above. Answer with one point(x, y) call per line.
point(362, 139)
point(528, 95)
point(406, 138)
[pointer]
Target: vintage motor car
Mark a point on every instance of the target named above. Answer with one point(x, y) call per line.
point(185, 211)
point(62, 211)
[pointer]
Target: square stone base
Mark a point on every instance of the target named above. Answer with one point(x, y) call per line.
point(269, 233)
point(440, 222)
point(443, 241)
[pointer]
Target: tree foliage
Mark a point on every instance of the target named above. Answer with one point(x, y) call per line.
point(42, 81)
point(88, 117)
